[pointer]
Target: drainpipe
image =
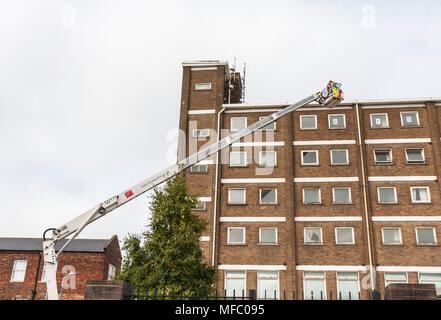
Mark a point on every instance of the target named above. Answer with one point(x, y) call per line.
point(366, 213)
point(216, 190)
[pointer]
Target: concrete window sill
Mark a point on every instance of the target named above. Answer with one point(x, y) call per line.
point(417, 163)
point(268, 204)
point(313, 204)
point(343, 204)
point(410, 127)
point(379, 128)
point(385, 164)
point(387, 204)
point(269, 244)
point(236, 244)
point(236, 204)
point(313, 244)
point(426, 203)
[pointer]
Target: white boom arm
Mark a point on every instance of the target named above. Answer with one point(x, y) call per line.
point(330, 96)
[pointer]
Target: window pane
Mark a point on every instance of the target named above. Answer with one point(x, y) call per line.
point(339, 157)
point(238, 123)
point(268, 288)
point(237, 159)
point(432, 278)
point(313, 235)
point(314, 289)
point(391, 236)
point(383, 156)
point(268, 235)
point(307, 122)
point(236, 235)
point(420, 194)
point(311, 196)
point(199, 169)
point(203, 86)
point(387, 195)
point(336, 121)
point(394, 277)
point(235, 287)
point(309, 157)
point(348, 289)
point(379, 121)
point(268, 159)
point(409, 119)
point(268, 196)
point(344, 235)
point(426, 236)
point(342, 195)
point(415, 155)
point(271, 126)
point(236, 195)
point(19, 270)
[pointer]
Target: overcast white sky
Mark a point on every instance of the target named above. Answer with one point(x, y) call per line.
point(90, 90)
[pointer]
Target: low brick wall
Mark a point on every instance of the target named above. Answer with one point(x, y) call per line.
point(107, 290)
point(402, 291)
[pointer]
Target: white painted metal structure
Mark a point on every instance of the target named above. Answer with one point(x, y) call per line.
point(328, 97)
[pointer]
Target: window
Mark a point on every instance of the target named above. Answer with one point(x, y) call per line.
point(268, 235)
point(348, 286)
point(268, 127)
point(391, 236)
point(201, 133)
point(199, 168)
point(339, 157)
point(394, 277)
point(200, 206)
point(420, 194)
point(344, 236)
point(410, 119)
point(341, 195)
point(415, 155)
point(112, 272)
point(238, 158)
point(235, 283)
point(311, 196)
point(238, 123)
point(313, 236)
point(267, 158)
point(314, 285)
point(236, 235)
point(431, 278)
point(268, 285)
point(203, 86)
point(387, 195)
point(379, 120)
point(19, 270)
point(308, 122)
point(237, 196)
point(383, 156)
point(426, 236)
point(268, 196)
point(310, 157)
point(337, 121)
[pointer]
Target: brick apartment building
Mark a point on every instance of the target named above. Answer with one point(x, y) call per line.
point(97, 259)
point(321, 200)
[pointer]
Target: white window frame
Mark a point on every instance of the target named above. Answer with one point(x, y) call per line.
point(13, 277)
point(319, 194)
point(383, 150)
point(268, 243)
point(428, 195)
point(275, 158)
point(343, 279)
point(273, 123)
point(438, 289)
point(341, 188)
point(391, 244)
point(422, 153)
point(200, 209)
point(379, 114)
point(417, 117)
point(305, 294)
point(387, 282)
point(245, 196)
point(243, 277)
point(313, 243)
point(426, 244)
point(108, 272)
point(339, 164)
point(260, 196)
point(308, 116)
point(270, 296)
point(353, 235)
point(231, 123)
point(203, 86)
point(239, 165)
point(310, 164)
point(236, 228)
point(334, 115)
point(197, 133)
point(192, 168)
point(395, 194)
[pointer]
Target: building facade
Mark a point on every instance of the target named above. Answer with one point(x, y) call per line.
point(322, 201)
point(22, 267)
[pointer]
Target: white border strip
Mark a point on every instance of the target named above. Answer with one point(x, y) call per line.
point(252, 219)
point(203, 68)
point(327, 219)
point(408, 269)
point(387, 141)
point(406, 219)
point(322, 142)
point(205, 162)
point(395, 106)
point(332, 179)
point(254, 180)
point(204, 239)
point(322, 109)
point(206, 111)
point(251, 267)
point(251, 110)
point(330, 268)
point(259, 144)
point(402, 178)
point(204, 199)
